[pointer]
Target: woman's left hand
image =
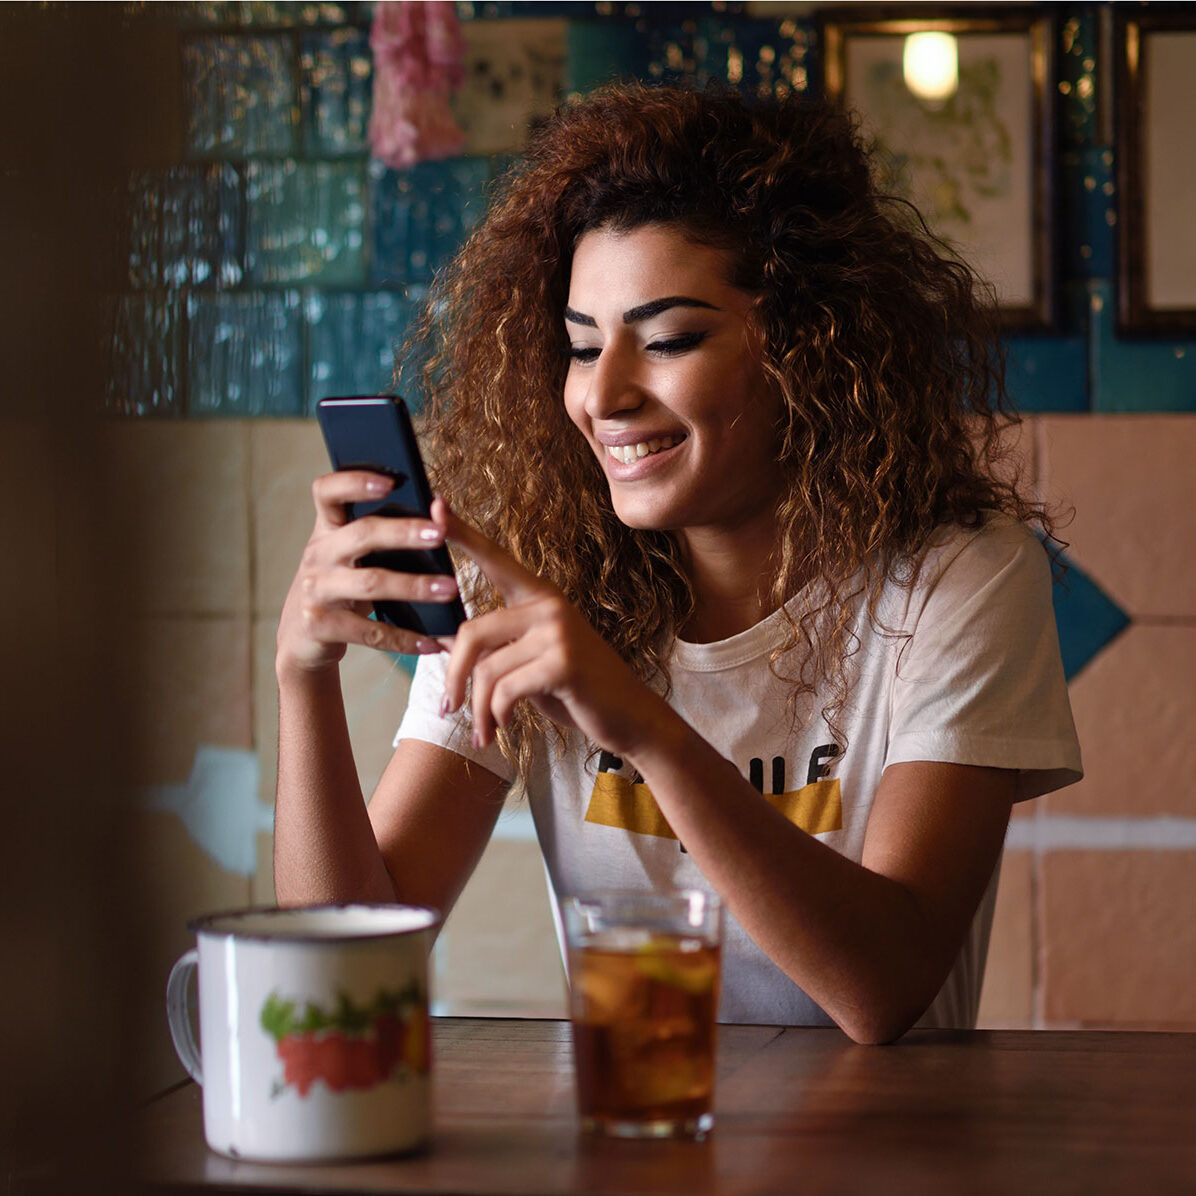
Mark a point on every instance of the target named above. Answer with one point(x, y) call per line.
point(541, 648)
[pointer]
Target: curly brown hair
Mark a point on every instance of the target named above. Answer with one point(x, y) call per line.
point(882, 344)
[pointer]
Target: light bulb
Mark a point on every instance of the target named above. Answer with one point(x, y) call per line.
point(931, 65)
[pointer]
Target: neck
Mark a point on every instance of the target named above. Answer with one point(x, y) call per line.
point(731, 577)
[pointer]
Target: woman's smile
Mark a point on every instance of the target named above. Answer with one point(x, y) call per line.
point(634, 452)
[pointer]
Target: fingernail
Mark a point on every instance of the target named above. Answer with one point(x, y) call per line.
point(426, 646)
point(477, 740)
point(379, 486)
point(445, 706)
point(433, 535)
point(442, 585)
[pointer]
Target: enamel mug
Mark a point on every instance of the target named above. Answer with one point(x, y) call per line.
point(314, 1028)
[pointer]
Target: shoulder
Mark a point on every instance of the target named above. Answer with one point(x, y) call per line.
point(1002, 548)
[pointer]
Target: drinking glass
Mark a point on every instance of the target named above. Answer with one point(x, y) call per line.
point(644, 984)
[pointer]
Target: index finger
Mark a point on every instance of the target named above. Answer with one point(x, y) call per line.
point(332, 491)
point(507, 575)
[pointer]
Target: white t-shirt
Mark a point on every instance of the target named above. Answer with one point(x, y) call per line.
point(978, 680)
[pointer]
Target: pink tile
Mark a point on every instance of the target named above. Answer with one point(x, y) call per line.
point(1119, 939)
point(1135, 707)
point(1007, 999)
point(1132, 483)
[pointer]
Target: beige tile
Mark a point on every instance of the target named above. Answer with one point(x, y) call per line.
point(265, 707)
point(1135, 707)
point(177, 508)
point(285, 457)
point(1131, 481)
point(186, 682)
point(498, 952)
point(515, 74)
point(176, 881)
point(261, 883)
point(1119, 938)
point(375, 688)
point(1007, 998)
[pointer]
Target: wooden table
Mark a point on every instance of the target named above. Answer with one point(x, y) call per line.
point(797, 1111)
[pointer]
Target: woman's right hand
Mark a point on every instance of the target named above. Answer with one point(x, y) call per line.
point(330, 598)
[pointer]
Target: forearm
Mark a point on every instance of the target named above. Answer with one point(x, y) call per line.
point(324, 846)
point(867, 948)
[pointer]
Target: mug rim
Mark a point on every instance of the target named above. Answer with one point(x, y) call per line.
point(207, 924)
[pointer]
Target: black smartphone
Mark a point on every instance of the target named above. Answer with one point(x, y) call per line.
point(375, 433)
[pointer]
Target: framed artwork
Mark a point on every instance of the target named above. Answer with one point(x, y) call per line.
point(977, 159)
point(1156, 169)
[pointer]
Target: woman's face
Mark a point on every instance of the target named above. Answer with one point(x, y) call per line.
point(665, 383)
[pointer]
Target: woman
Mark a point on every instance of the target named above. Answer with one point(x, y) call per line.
point(752, 610)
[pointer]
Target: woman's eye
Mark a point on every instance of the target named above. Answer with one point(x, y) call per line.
point(677, 344)
point(583, 353)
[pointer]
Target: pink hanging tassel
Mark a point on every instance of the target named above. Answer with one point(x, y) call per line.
point(419, 58)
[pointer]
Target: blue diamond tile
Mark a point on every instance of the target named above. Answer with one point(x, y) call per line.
point(1087, 618)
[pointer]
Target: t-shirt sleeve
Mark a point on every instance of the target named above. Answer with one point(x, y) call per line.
point(423, 720)
point(980, 681)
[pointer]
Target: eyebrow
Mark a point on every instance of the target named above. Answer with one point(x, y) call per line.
point(645, 311)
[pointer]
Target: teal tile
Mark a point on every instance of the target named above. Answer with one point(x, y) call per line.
point(1087, 618)
point(1047, 373)
point(1080, 78)
point(245, 354)
point(200, 13)
point(305, 222)
point(1088, 212)
point(258, 14)
point(293, 12)
point(240, 96)
point(762, 58)
point(352, 340)
point(336, 91)
point(421, 216)
point(1136, 375)
point(145, 355)
point(185, 227)
point(603, 51)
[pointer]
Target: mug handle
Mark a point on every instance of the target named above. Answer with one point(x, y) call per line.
point(178, 1014)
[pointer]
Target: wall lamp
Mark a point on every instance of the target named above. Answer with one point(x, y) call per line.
point(931, 66)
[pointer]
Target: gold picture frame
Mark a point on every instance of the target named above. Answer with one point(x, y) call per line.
point(1155, 54)
point(979, 164)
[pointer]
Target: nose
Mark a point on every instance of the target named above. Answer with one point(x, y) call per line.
point(614, 385)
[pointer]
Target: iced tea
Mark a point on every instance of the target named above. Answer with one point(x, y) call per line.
point(643, 1008)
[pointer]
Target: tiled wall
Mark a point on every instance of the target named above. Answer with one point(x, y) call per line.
point(273, 262)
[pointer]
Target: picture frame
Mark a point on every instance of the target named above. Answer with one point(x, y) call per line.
point(1155, 74)
point(980, 164)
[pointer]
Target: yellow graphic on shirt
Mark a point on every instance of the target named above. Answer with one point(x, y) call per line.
point(615, 801)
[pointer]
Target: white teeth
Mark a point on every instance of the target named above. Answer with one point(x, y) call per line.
point(626, 453)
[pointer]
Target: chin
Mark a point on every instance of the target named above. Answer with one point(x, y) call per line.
point(641, 520)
